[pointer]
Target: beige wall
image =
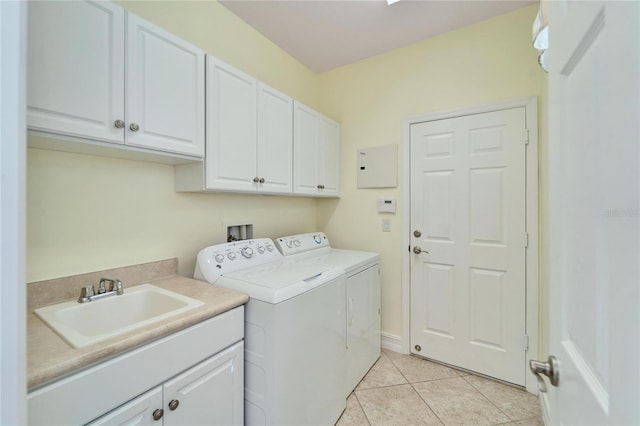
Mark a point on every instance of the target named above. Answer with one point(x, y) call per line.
point(486, 62)
point(87, 213)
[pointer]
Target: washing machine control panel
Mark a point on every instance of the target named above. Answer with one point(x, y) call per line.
point(216, 260)
point(301, 243)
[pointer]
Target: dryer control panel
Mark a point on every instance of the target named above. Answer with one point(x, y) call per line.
point(301, 243)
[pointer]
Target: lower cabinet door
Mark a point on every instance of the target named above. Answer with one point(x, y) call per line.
point(138, 411)
point(211, 393)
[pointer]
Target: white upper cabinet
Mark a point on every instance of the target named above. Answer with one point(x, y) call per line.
point(275, 141)
point(316, 165)
point(249, 136)
point(79, 86)
point(231, 128)
point(75, 72)
point(165, 90)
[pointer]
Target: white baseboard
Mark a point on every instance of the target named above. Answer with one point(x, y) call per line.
point(391, 342)
point(544, 406)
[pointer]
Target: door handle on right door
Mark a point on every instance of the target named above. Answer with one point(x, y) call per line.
point(549, 369)
point(418, 250)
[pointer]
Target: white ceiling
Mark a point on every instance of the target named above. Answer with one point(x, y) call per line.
point(326, 34)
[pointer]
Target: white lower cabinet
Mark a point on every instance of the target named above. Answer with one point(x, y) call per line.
point(198, 371)
point(211, 393)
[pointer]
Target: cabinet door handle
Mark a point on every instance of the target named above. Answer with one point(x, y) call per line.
point(256, 179)
point(134, 127)
point(173, 404)
point(320, 186)
point(157, 415)
point(261, 180)
point(119, 124)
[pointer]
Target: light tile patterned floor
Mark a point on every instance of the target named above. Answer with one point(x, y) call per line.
point(405, 390)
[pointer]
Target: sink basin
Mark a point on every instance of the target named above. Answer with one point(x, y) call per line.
point(83, 324)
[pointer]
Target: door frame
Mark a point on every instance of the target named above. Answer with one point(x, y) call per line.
point(531, 170)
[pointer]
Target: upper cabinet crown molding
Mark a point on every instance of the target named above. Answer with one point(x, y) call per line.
point(82, 87)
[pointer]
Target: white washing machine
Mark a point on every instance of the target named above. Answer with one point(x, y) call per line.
point(362, 296)
point(294, 331)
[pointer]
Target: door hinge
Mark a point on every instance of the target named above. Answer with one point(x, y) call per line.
point(526, 136)
point(526, 240)
point(525, 342)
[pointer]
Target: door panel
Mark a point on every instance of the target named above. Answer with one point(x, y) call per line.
point(468, 201)
point(593, 223)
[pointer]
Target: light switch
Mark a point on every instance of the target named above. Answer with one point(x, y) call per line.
point(386, 225)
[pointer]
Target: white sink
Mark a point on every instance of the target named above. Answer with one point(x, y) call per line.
point(83, 324)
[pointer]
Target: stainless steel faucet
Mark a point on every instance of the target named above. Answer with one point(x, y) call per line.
point(88, 293)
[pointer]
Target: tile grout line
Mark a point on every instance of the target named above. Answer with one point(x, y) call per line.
point(490, 401)
point(361, 408)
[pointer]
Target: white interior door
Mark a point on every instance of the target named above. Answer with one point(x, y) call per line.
point(468, 218)
point(594, 211)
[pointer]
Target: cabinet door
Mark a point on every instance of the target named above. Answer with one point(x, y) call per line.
point(165, 90)
point(305, 151)
point(329, 175)
point(231, 128)
point(363, 324)
point(138, 411)
point(211, 393)
point(275, 141)
point(75, 73)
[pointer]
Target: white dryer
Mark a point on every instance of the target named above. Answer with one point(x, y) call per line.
point(294, 331)
point(362, 296)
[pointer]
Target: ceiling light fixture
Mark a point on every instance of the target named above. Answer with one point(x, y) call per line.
point(390, 2)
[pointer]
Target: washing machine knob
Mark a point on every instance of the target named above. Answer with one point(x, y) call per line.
point(260, 249)
point(219, 257)
point(231, 255)
point(317, 239)
point(289, 243)
point(269, 249)
point(296, 243)
point(247, 252)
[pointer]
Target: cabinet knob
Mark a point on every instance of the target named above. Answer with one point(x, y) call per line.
point(134, 127)
point(261, 180)
point(119, 124)
point(320, 186)
point(157, 415)
point(256, 179)
point(173, 404)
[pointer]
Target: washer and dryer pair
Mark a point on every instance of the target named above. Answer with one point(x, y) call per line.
point(312, 323)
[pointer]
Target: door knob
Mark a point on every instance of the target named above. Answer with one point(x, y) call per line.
point(417, 233)
point(549, 369)
point(118, 124)
point(134, 127)
point(418, 250)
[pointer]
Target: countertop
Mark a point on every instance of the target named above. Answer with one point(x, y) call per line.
point(49, 357)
